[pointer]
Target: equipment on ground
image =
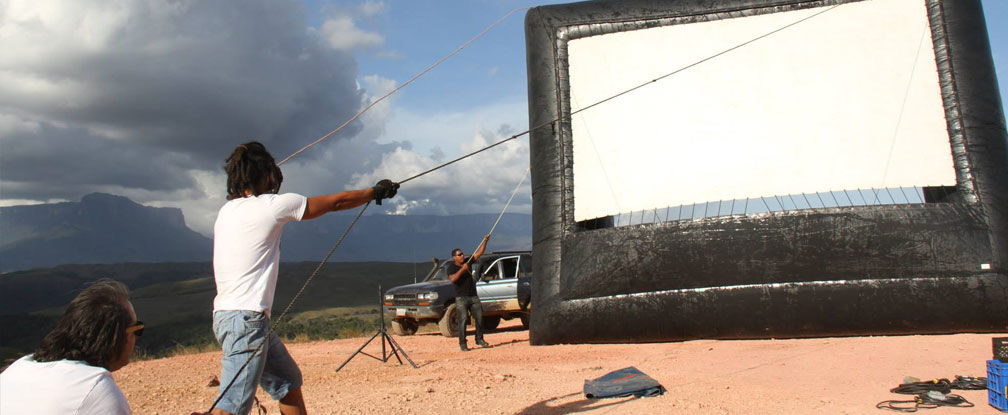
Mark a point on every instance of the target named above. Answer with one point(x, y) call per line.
point(394, 348)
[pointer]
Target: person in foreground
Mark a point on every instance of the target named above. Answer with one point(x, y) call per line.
point(466, 298)
point(70, 372)
point(246, 257)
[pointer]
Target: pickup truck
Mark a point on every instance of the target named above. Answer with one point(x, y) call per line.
point(503, 285)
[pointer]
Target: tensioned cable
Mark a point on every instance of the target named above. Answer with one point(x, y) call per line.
point(291, 304)
point(368, 107)
point(513, 193)
point(278, 320)
point(475, 152)
point(319, 268)
point(598, 157)
point(622, 93)
point(323, 138)
point(899, 118)
point(707, 59)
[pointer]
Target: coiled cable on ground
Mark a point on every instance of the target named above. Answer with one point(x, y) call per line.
point(933, 393)
point(929, 400)
point(969, 383)
point(914, 388)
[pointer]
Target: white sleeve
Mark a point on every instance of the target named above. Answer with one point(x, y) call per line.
point(289, 206)
point(105, 399)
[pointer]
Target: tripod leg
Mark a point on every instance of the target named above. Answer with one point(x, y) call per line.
point(384, 356)
point(392, 348)
point(358, 351)
point(397, 346)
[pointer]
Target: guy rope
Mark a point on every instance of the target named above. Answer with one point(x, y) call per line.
point(276, 323)
point(504, 210)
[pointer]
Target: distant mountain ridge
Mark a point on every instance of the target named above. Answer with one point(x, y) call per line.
point(101, 228)
point(107, 229)
point(402, 238)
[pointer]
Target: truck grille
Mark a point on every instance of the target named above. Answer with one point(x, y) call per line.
point(404, 299)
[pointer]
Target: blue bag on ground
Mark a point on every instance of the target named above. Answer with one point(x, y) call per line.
point(620, 383)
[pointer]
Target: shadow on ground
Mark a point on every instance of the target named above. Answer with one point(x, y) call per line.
point(552, 406)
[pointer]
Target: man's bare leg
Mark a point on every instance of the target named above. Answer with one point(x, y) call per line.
point(293, 403)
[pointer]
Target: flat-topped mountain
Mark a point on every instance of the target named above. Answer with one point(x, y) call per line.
point(101, 228)
point(107, 229)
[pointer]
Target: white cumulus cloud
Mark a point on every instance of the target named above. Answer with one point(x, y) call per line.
point(342, 33)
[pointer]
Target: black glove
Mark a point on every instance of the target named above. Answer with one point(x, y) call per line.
point(384, 189)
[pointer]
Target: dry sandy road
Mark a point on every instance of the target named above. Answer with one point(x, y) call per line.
point(795, 376)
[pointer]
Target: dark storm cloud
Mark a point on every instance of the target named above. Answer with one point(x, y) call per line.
point(134, 95)
point(58, 163)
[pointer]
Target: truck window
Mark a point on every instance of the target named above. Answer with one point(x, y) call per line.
point(492, 272)
point(509, 267)
point(502, 268)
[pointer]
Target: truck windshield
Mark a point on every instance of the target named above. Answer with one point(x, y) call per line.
point(438, 273)
point(441, 274)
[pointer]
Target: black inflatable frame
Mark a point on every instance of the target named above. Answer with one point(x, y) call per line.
point(895, 269)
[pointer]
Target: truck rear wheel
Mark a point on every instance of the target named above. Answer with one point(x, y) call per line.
point(404, 327)
point(449, 322)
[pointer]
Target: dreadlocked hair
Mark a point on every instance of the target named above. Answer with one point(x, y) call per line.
point(251, 167)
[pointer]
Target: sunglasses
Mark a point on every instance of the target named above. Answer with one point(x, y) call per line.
point(458, 254)
point(137, 329)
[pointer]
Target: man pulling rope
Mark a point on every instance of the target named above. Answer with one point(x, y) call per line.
point(246, 260)
point(466, 298)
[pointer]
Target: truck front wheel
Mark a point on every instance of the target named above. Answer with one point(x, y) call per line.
point(404, 327)
point(449, 322)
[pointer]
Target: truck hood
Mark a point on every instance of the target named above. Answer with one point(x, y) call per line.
point(420, 287)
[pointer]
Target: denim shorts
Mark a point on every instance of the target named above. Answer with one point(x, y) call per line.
point(240, 333)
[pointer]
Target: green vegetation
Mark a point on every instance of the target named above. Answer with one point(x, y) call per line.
point(176, 302)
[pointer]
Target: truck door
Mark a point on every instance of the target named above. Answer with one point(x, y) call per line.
point(498, 283)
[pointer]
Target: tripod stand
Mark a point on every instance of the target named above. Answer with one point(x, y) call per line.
point(395, 348)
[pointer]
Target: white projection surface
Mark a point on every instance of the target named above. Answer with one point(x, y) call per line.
point(848, 99)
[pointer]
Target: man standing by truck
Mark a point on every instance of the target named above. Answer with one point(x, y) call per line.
point(466, 299)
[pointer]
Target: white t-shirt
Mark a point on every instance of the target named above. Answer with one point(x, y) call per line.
point(59, 388)
point(246, 253)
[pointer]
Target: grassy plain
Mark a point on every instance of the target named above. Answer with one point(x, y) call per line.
point(175, 301)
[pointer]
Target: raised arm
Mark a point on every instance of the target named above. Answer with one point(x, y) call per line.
point(320, 205)
point(482, 247)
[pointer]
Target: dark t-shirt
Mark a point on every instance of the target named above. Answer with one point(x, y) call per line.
point(465, 286)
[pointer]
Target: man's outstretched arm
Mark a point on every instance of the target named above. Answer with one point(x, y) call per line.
point(320, 205)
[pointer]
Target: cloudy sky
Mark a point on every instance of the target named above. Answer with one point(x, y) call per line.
point(145, 98)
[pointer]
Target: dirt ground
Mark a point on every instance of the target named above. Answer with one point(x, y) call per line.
point(794, 376)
